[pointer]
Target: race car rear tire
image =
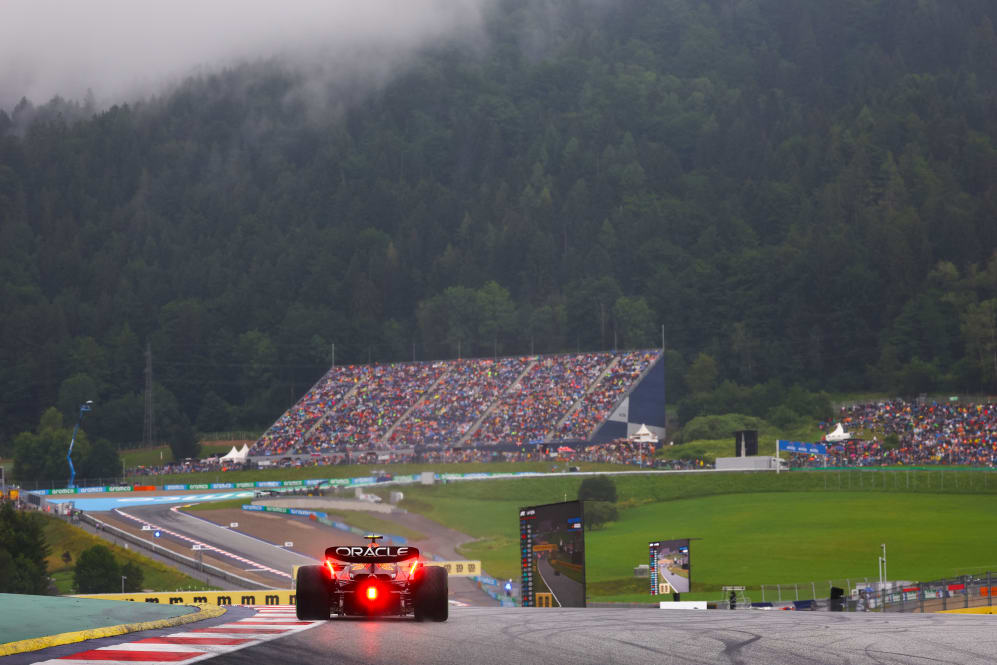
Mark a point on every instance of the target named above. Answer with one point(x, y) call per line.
point(311, 600)
point(431, 595)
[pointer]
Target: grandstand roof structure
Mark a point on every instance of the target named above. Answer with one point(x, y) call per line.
point(521, 400)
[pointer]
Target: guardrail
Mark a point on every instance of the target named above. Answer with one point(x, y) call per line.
point(167, 553)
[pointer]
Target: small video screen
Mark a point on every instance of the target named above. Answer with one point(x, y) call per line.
point(552, 555)
point(670, 571)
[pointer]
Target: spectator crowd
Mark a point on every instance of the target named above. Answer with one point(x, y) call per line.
point(897, 432)
point(471, 402)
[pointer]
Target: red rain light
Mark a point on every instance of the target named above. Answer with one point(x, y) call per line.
point(372, 593)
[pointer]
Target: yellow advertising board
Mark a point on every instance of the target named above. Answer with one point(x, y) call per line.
point(459, 568)
point(249, 597)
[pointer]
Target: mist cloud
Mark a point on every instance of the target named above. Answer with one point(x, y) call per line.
point(123, 49)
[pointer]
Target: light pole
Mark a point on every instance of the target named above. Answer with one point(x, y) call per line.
point(69, 456)
point(123, 578)
point(882, 576)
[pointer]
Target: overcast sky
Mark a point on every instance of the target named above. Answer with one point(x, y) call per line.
point(122, 49)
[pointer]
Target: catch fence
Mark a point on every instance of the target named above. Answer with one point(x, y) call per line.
point(862, 594)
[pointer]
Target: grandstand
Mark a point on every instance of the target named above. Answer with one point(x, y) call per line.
point(483, 402)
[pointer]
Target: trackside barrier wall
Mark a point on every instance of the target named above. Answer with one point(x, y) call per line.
point(683, 605)
point(244, 597)
point(170, 554)
point(404, 479)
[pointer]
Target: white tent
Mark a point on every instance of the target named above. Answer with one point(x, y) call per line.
point(644, 435)
point(235, 455)
point(839, 434)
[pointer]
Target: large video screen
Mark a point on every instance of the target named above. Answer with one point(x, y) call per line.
point(670, 571)
point(552, 555)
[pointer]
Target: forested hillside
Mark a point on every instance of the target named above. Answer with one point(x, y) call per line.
point(799, 191)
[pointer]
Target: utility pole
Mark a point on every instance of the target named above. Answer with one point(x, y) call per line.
point(602, 325)
point(149, 423)
point(664, 408)
point(333, 354)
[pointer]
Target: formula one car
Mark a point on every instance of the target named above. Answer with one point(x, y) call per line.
point(372, 580)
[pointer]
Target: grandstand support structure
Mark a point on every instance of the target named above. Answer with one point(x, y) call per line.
point(630, 389)
point(429, 391)
point(640, 404)
point(498, 398)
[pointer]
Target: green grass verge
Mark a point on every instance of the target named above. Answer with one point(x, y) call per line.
point(756, 528)
point(62, 537)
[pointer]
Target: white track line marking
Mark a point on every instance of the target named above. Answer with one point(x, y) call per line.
point(190, 646)
point(205, 546)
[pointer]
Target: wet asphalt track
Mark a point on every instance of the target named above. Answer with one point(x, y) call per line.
point(486, 636)
point(229, 540)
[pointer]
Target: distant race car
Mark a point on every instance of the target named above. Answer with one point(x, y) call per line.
point(372, 580)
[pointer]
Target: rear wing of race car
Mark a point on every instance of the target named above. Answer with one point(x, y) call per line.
point(371, 553)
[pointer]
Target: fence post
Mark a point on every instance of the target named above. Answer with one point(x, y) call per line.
point(778, 588)
point(965, 590)
point(920, 594)
point(945, 594)
point(990, 590)
point(763, 593)
point(813, 590)
point(797, 588)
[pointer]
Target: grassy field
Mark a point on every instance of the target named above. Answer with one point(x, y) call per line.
point(803, 537)
point(705, 449)
point(62, 537)
point(755, 528)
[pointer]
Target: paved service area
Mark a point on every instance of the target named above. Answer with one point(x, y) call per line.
point(521, 636)
point(28, 617)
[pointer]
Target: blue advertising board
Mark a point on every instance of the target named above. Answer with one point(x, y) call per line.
point(801, 447)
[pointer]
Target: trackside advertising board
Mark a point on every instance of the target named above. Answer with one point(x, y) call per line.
point(552, 555)
point(802, 447)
